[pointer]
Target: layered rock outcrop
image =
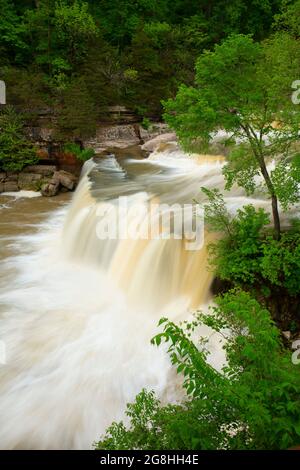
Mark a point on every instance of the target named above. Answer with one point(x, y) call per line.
point(45, 178)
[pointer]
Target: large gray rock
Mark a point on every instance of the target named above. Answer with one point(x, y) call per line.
point(155, 143)
point(67, 180)
point(60, 181)
point(50, 189)
point(10, 186)
point(117, 136)
point(44, 170)
point(28, 180)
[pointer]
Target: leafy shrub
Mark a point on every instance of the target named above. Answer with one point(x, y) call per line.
point(280, 263)
point(252, 403)
point(81, 154)
point(15, 150)
point(146, 123)
point(247, 255)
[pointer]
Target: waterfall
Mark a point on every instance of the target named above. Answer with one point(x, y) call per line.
point(78, 312)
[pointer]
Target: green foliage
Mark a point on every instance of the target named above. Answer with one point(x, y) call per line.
point(128, 53)
point(15, 150)
point(244, 87)
point(288, 19)
point(121, 19)
point(252, 403)
point(146, 123)
point(28, 90)
point(241, 168)
point(75, 28)
point(280, 263)
point(81, 154)
point(216, 214)
point(247, 255)
point(77, 113)
point(12, 43)
point(286, 179)
point(159, 55)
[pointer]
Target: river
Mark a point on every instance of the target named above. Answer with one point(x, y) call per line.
point(77, 312)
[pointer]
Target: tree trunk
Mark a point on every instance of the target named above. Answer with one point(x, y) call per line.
point(276, 218)
point(275, 211)
point(258, 153)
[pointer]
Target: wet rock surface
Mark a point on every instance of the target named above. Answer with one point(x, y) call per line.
point(45, 178)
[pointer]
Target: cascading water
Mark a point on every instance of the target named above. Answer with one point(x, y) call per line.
point(77, 312)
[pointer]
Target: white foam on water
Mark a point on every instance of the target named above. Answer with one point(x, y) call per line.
point(78, 314)
point(21, 194)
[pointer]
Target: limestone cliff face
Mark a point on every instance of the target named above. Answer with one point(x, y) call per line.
point(58, 170)
point(122, 135)
point(119, 128)
point(44, 178)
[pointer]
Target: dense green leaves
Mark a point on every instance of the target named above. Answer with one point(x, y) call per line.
point(280, 262)
point(288, 19)
point(134, 53)
point(15, 151)
point(252, 403)
point(75, 28)
point(247, 255)
point(12, 44)
point(244, 88)
point(77, 116)
point(82, 154)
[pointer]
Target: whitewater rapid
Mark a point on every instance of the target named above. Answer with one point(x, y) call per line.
point(77, 313)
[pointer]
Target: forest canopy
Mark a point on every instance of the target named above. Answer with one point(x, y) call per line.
point(137, 52)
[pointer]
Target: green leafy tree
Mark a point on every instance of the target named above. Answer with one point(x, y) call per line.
point(246, 255)
point(162, 60)
point(129, 53)
point(121, 19)
point(245, 88)
point(12, 45)
point(224, 18)
point(288, 19)
point(38, 24)
point(77, 115)
point(59, 34)
point(102, 71)
point(75, 28)
point(28, 91)
point(252, 403)
point(15, 150)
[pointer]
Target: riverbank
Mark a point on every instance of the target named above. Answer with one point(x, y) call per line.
point(58, 171)
point(46, 179)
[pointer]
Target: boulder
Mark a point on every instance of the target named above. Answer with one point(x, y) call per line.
point(287, 334)
point(28, 180)
point(44, 170)
point(118, 136)
point(60, 181)
point(67, 180)
point(10, 186)
point(153, 144)
point(50, 189)
point(63, 190)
